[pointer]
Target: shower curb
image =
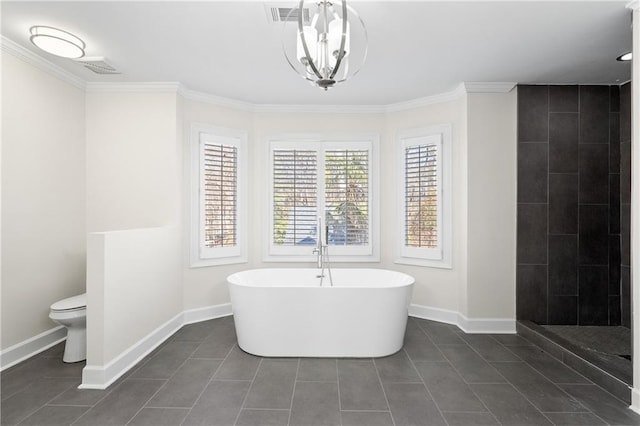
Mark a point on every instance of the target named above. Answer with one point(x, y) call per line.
point(575, 358)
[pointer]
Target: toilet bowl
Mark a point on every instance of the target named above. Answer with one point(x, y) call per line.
point(72, 313)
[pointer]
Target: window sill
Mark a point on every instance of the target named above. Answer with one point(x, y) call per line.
point(203, 263)
point(428, 263)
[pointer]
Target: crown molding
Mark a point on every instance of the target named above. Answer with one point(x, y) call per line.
point(453, 95)
point(634, 5)
point(16, 50)
point(145, 87)
point(207, 98)
point(26, 55)
point(484, 87)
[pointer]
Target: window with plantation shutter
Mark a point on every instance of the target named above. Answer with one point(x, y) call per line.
point(295, 196)
point(218, 228)
point(329, 179)
point(424, 201)
point(347, 196)
point(219, 193)
point(421, 195)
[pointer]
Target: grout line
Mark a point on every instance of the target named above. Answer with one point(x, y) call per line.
point(244, 400)
point(384, 392)
point(293, 393)
point(210, 380)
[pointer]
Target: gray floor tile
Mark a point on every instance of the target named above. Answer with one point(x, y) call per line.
point(411, 404)
point(318, 370)
point(263, 418)
point(547, 397)
point(56, 351)
point(396, 368)
point(519, 372)
point(186, 385)
point(470, 365)
point(32, 398)
point(238, 365)
point(511, 340)
point(195, 332)
point(214, 349)
point(219, 342)
point(75, 396)
point(575, 419)
point(419, 346)
point(273, 385)
point(360, 387)
point(54, 416)
point(219, 404)
point(508, 405)
point(315, 403)
point(470, 419)
point(489, 348)
point(544, 363)
point(447, 388)
point(122, 404)
point(14, 383)
point(366, 418)
point(166, 361)
point(159, 417)
point(603, 404)
point(440, 333)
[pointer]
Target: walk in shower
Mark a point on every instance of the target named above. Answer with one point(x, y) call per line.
point(574, 204)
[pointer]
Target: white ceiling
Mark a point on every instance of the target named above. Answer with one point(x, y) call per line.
point(416, 48)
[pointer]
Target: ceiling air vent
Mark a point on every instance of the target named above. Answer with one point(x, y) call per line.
point(98, 65)
point(278, 14)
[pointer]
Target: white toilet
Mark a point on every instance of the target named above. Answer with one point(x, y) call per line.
point(72, 313)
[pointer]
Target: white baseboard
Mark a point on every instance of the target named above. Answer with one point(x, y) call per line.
point(433, 314)
point(468, 325)
point(30, 347)
point(101, 377)
point(207, 313)
point(635, 400)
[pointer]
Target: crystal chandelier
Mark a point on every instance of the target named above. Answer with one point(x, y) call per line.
point(330, 44)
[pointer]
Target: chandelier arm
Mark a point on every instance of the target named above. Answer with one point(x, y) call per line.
point(304, 42)
point(342, 41)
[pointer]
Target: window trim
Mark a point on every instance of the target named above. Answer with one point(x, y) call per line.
point(439, 257)
point(200, 256)
point(324, 141)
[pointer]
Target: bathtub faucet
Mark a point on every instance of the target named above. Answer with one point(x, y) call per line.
point(318, 251)
point(322, 253)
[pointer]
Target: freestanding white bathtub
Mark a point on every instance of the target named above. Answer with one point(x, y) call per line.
point(286, 313)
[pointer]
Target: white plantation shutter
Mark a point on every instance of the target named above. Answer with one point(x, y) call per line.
point(347, 196)
point(220, 178)
point(326, 179)
point(295, 196)
point(421, 188)
point(218, 196)
point(421, 165)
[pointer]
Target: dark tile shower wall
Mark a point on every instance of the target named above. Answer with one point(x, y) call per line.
point(624, 218)
point(569, 198)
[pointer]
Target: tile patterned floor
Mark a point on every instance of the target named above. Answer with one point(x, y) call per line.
point(200, 377)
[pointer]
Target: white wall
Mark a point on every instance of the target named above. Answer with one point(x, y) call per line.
point(133, 160)
point(434, 288)
point(134, 288)
point(43, 197)
point(134, 171)
point(483, 153)
point(491, 218)
point(207, 286)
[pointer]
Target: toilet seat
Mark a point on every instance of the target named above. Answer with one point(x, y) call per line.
point(70, 304)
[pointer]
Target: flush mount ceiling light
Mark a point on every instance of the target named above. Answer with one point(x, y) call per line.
point(57, 42)
point(625, 57)
point(328, 49)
